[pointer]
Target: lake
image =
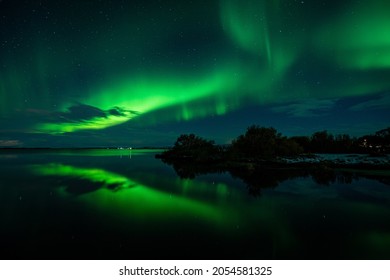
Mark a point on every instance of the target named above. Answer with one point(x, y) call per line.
point(125, 204)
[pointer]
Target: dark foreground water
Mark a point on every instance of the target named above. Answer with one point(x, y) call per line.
point(114, 204)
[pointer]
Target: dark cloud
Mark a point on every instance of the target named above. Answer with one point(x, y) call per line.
point(306, 108)
point(117, 111)
point(10, 143)
point(381, 101)
point(83, 112)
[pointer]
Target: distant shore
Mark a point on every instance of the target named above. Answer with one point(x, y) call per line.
point(333, 161)
point(81, 148)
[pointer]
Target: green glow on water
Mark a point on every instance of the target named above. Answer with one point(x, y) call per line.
point(121, 198)
point(94, 175)
point(379, 241)
point(125, 197)
point(218, 190)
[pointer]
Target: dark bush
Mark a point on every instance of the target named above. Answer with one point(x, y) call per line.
point(263, 143)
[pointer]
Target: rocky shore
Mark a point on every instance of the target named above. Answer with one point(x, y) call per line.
point(342, 160)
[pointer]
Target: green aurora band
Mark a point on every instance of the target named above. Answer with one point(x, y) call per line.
point(359, 39)
point(146, 94)
point(265, 44)
point(247, 24)
point(94, 123)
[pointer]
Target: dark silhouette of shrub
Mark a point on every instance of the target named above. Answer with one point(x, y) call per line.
point(263, 143)
point(192, 147)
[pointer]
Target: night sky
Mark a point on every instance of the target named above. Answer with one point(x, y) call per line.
point(80, 73)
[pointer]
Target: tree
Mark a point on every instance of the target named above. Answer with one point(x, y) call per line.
point(288, 147)
point(192, 147)
point(343, 143)
point(322, 141)
point(303, 141)
point(384, 133)
point(263, 143)
point(257, 142)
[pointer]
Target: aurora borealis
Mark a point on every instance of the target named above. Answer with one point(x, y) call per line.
point(139, 73)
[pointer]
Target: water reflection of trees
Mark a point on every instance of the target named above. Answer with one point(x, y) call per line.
point(259, 177)
point(189, 170)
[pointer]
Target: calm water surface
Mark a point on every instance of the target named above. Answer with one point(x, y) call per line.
point(117, 204)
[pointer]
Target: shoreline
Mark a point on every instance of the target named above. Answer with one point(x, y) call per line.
point(316, 161)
